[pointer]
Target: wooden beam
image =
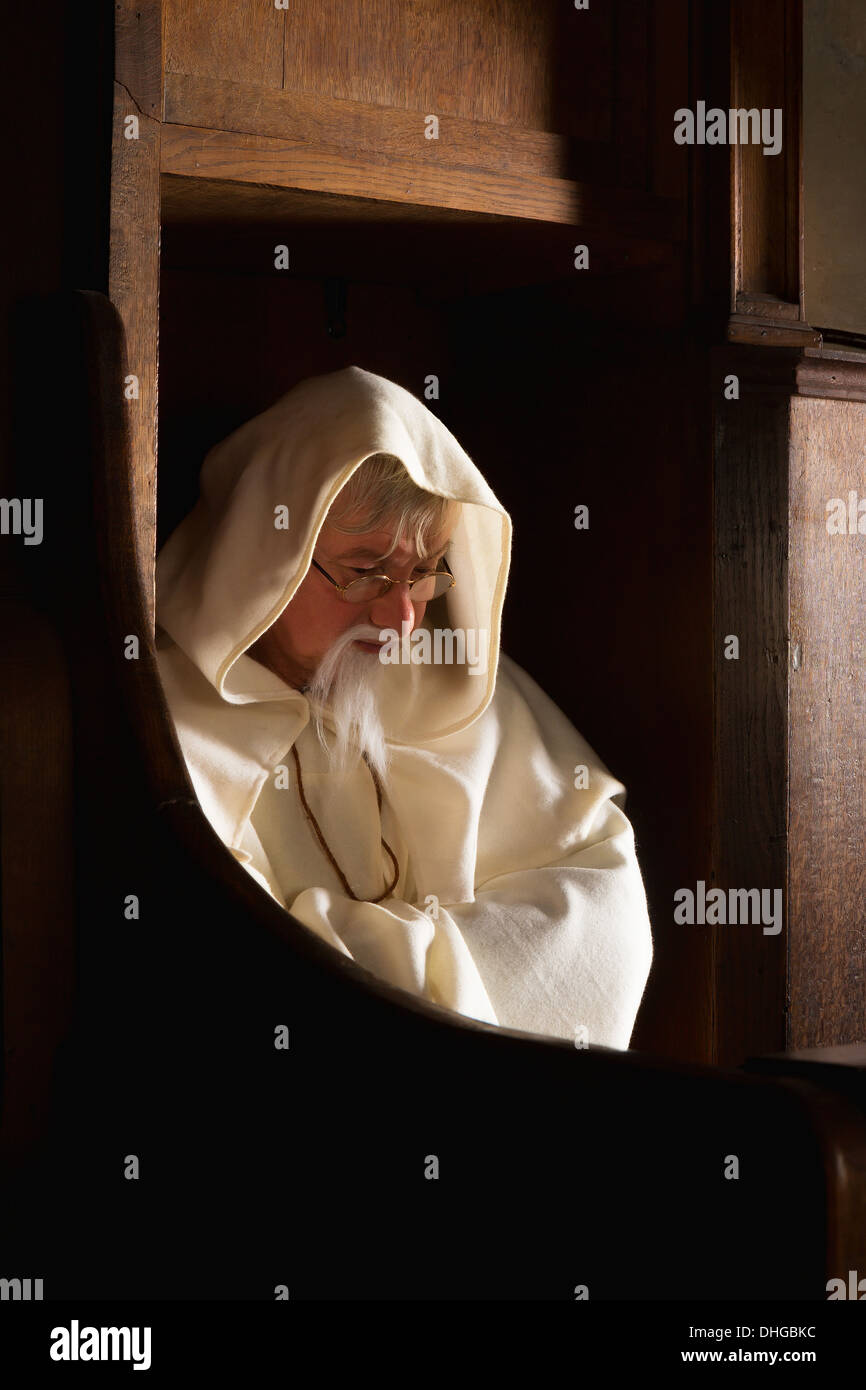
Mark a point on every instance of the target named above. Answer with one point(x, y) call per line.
point(134, 259)
point(238, 158)
point(215, 104)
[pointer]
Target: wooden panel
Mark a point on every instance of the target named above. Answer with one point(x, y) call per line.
point(363, 126)
point(795, 439)
point(750, 782)
point(828, 729)
point(591, 97)
point(601, 77)
point(544, 66)
point(539, 67)
point(219, 154)
point(241, 40)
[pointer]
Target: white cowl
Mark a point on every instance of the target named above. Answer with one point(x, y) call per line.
point(519, 900)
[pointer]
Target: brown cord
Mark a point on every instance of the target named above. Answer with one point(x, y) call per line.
point(322, 841)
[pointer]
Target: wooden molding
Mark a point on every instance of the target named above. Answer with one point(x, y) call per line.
point(834, 375)
point(794, 370)
point(769, 332)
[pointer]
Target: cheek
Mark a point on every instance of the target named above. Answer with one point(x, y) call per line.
point(314, 619)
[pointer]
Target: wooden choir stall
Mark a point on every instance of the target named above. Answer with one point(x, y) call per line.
point(490, 195)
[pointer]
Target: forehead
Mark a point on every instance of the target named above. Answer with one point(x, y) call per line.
point(377, 544)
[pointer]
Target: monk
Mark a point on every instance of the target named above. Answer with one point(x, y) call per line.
point(328, 624)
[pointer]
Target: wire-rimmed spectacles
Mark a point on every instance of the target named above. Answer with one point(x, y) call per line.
point(373, 586)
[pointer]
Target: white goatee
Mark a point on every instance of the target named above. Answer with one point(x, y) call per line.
point(347, 686)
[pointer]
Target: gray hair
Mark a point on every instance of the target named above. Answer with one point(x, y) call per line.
point(382, 490)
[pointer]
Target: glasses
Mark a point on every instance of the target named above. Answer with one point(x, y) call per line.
point(373, 586)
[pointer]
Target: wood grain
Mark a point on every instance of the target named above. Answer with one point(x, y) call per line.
point(394, 131)
point(790, 726)
point(537, 67)
point(138, 53)
point(751, 716)
point(134, 249)
point(217, 154)
point(241, 40)
point(827, 729)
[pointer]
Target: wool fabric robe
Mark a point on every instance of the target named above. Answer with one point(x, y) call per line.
point(519, 900)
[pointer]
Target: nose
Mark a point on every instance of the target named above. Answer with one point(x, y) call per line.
point(394, 609)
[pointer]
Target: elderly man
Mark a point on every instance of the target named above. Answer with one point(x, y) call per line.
point(329, 618)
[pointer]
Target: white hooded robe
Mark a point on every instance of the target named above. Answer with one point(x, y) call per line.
point(519, 899)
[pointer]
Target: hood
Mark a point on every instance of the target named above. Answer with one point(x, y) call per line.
point(227, 572)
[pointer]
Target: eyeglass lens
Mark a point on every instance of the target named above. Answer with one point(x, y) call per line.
point(428, 587)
